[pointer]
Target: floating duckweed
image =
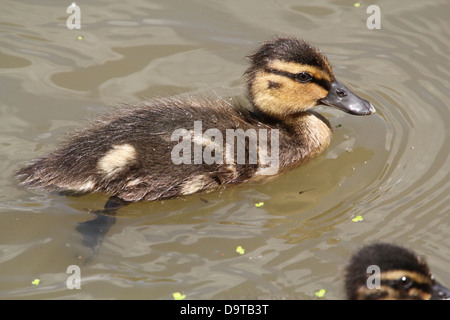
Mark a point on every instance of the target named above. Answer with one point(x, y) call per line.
point(357, 219)
point(259, 204)
point(35, 282)
point(320, 293)
point(240, 250)
point(178, 296)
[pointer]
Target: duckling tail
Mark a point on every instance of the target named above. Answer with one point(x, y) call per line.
point(44, 174)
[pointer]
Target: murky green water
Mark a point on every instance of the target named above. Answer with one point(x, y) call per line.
point(392, 168)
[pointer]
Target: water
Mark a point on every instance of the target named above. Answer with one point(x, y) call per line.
point(392, 168)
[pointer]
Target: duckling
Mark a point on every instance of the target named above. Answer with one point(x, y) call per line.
point(144, 151)
point(402, 275)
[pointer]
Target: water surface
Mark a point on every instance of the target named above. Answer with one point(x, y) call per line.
point(391, 168)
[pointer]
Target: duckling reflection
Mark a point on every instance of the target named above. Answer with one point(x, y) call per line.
point(127, 154)
point(403, 275)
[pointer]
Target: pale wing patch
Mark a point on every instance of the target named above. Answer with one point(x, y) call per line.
point(78, 186)
point(205, 141)
point(116, 159)
point(87, 186)
point(134, 182)
point(195, 184)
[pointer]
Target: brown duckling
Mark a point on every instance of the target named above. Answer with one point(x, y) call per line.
point(401, 275)
point(164, 148)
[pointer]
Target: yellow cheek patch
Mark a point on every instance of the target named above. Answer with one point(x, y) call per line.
point(287, 96)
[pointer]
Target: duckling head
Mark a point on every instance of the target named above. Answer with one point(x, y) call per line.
point(288, 76)
point(402, 275)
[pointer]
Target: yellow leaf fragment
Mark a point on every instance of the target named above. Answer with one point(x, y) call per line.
point(178, 296)
point(320, 293)
point(240, 250)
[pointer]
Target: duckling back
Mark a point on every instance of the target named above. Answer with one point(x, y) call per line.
point(137, 153)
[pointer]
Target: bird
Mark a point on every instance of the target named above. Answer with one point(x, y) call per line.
point(386, 271)
point(168, 147)
point(129, 153)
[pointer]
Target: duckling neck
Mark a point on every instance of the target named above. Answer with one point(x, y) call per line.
point(308, 132)
point(312, 129)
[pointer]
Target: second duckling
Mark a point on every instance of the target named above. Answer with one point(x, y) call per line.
point(398, 274)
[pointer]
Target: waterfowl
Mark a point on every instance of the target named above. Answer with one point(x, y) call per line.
point(394, 273)
point(164, 148)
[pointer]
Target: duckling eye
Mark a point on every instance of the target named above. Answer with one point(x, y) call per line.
point(303, 77)
point(405, 282)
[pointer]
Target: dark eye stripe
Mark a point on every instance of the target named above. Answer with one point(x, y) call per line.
point(399, 285)
point(321, 82)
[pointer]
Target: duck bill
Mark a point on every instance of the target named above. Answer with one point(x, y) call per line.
point(439, 292)
point(340, 97)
